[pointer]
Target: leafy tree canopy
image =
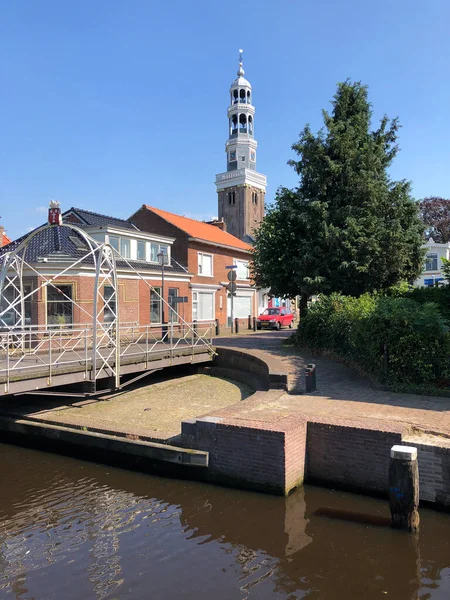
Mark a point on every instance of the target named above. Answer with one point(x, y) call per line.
point(347, 227)
point(435, 213)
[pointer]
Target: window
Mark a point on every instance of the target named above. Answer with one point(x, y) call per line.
point(205, 264)
point(242, 269)
point(254, 198)
point(109, 312)
point(202, 306)
point(155, 249)
point(114, 241)
point(28, 303)
point(59, 305)
point(155, 305)
point(125, 248)
point(242, 158)
point(431, 263)
point(9, 318)
point(121, 245)
point(141, 247)
point(232, 197)
point(173, 317)
point(12, 316)
point(242, 307)
point(164, 249)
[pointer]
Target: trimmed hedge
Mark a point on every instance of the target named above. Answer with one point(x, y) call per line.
point(438, 295)
point(395, 340)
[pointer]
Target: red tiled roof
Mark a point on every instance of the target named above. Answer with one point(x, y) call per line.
point(4, 240)
point(201, 231)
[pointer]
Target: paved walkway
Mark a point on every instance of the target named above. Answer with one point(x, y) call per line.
point(341, 394)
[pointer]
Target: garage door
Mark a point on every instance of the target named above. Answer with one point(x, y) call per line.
point(242, 306)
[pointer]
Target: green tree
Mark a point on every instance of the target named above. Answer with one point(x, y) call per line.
point(446, 269)
point(347, 227)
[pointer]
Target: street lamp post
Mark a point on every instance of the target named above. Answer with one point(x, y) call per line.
point(162, 261)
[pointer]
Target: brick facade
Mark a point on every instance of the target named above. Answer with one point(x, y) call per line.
point(185, 250)
point(134, 298)
point(245, 215)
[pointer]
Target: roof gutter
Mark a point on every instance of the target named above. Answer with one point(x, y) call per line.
point(194, 239)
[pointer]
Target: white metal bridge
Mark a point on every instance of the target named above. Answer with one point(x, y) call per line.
point(37, 357)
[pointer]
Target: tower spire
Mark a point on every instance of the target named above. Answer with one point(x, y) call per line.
point(241, 71)
point(241, 189)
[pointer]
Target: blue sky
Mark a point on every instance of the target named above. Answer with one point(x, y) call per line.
point(109, 104)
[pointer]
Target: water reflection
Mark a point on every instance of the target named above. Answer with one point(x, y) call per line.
point(70, 529)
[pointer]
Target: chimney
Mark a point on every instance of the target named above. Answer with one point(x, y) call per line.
point(220, 224)
point(54, 213)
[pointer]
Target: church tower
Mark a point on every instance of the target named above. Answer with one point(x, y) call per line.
point(241, 190)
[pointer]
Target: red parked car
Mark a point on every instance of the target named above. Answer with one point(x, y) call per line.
point(275, 318)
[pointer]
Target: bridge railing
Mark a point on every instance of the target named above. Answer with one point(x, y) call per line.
point(46, 351)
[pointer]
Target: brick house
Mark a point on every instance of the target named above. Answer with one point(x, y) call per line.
point(206, 249)
point(71, 301)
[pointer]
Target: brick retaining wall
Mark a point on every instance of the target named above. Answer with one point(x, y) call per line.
point(276, 456)
point(254, 455)
point(353, 456)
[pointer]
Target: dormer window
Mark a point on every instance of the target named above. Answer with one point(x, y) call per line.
point(141, 251)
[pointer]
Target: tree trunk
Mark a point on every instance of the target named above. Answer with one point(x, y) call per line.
point(303, 304)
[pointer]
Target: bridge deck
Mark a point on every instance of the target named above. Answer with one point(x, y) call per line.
point(72, 358)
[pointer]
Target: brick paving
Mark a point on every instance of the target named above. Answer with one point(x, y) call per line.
point(342, 395)
point(153, 411)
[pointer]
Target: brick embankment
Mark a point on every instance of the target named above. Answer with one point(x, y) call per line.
point(339, 435)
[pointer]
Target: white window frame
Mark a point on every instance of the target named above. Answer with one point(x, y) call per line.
point(430, 258)
point(242, 261)
point(145, 249)
point(123, 242)
point(195, 300)
point(200, 256)
point(158, 244)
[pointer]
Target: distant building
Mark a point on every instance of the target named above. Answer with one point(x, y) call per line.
point(432, 271)
point(241, 189)
point(206, 249)
point(61, 249)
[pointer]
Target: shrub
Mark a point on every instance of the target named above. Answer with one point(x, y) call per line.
point(438, 295)
point(395, 340)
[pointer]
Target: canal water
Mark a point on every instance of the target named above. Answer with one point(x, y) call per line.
point(77, 530)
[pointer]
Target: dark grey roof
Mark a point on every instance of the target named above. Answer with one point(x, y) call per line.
point(93, 219)
point(248, 239)
point(61, 243)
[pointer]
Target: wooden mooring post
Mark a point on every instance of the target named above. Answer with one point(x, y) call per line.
point(404, 488)
point(310, 378)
